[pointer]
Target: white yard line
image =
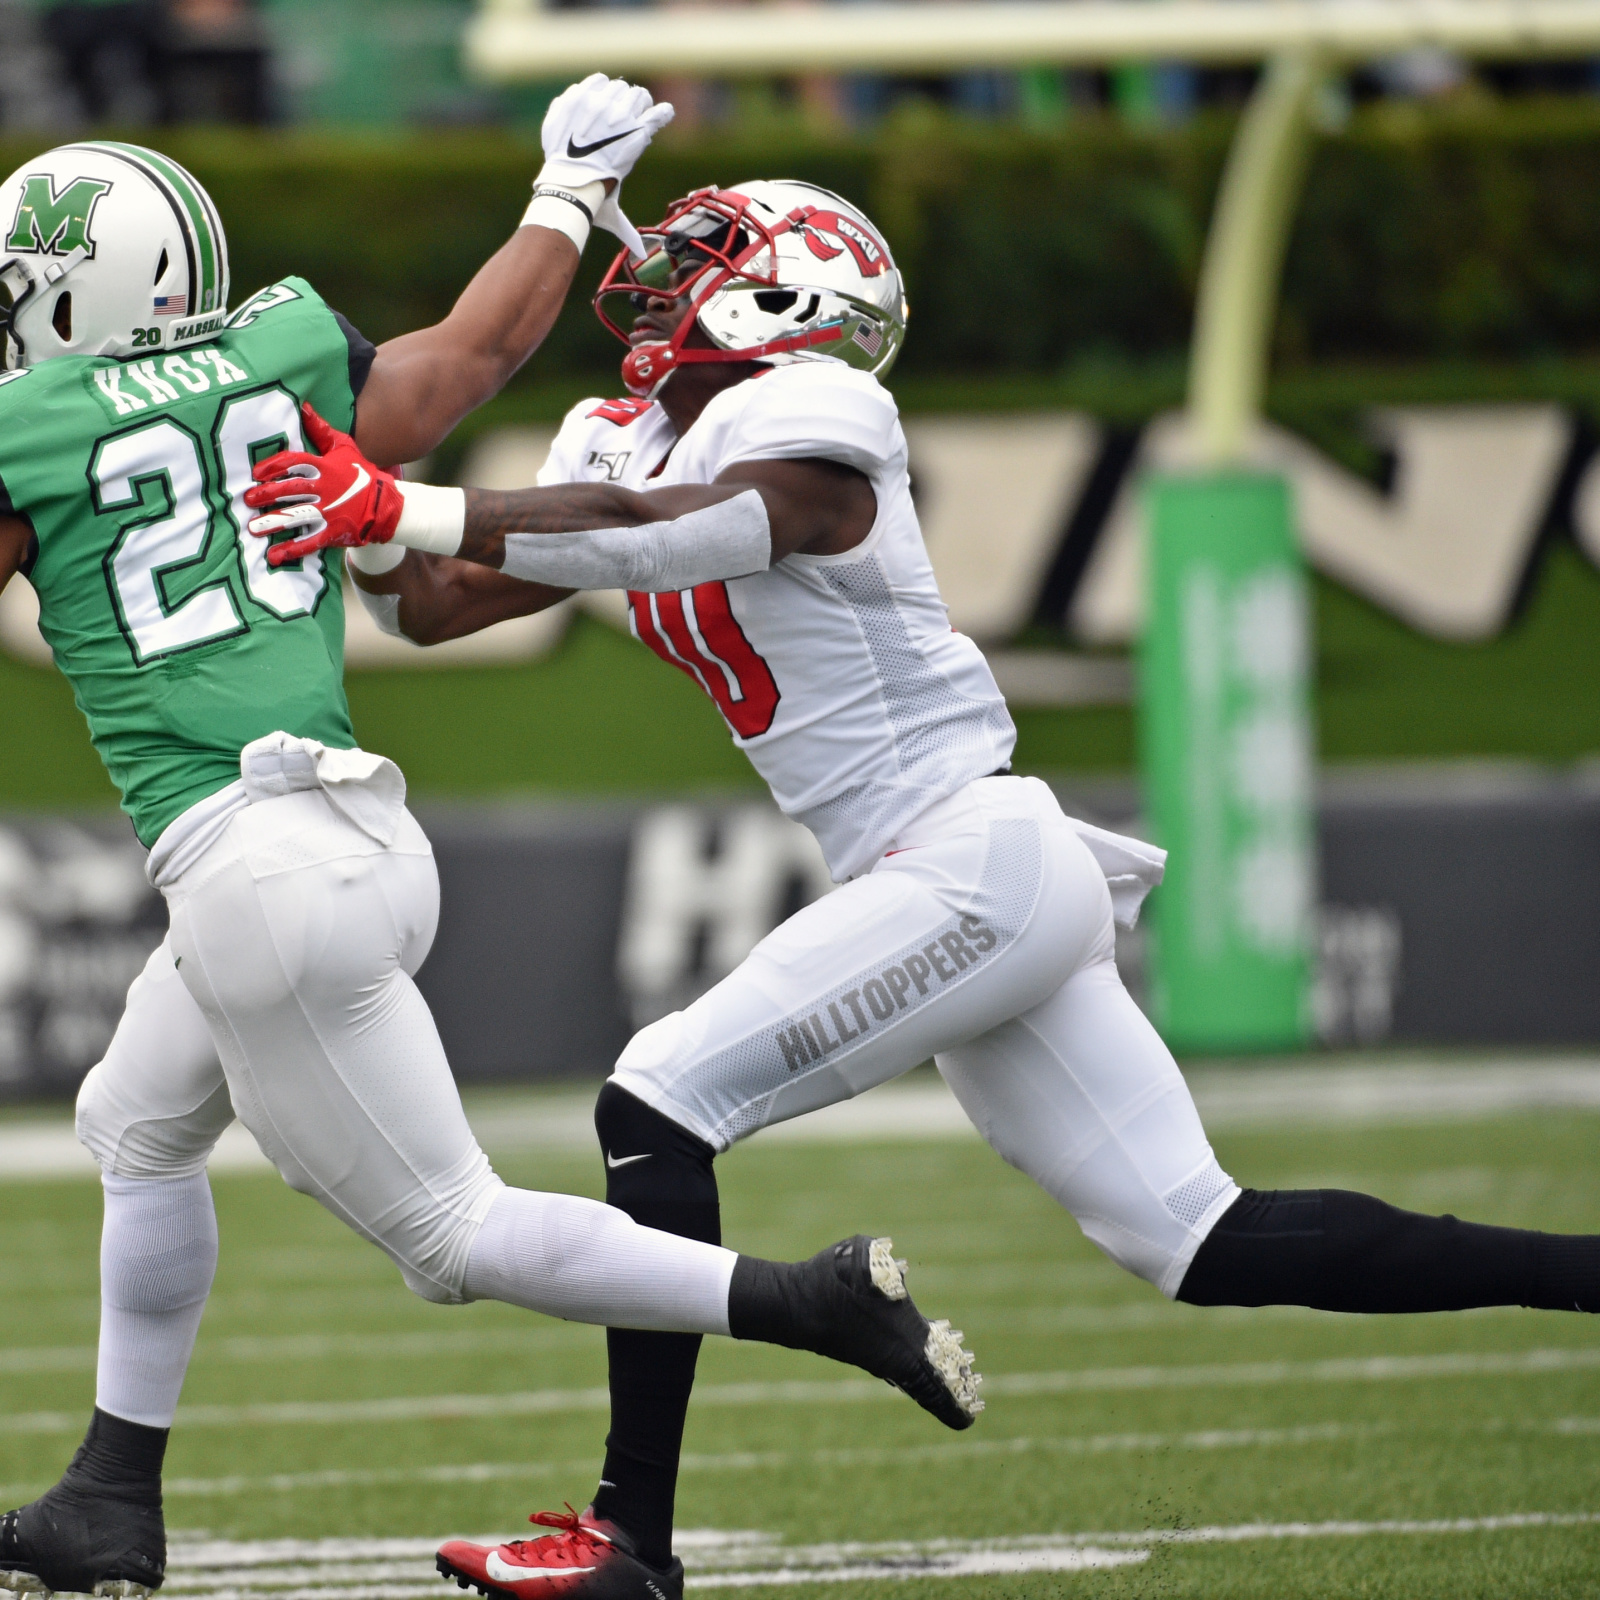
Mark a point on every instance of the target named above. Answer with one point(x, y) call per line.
point(399, 1569)
point(954, 1453)
point(541, 1336)
point(537, 1402)
point(523, 1341)
point(784, 1460)
point(1316, 1092)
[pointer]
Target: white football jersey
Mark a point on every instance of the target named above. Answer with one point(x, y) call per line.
point(840, 676)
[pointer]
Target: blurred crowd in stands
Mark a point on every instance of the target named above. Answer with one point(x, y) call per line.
point(133, 63)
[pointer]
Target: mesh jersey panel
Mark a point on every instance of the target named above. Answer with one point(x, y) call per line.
point(1190, 1201)
point(181, 644)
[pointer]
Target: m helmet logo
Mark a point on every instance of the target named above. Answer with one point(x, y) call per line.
point(52, 224)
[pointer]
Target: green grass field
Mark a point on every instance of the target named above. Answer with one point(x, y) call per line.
point(1110, 1411)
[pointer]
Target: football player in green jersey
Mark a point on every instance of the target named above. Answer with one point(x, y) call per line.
point(303, 896)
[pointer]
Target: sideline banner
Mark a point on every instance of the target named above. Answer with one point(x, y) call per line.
point(1455, 909)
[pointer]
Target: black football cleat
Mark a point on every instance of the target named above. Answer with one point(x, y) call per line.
point(850, 1302)
point(584, 1559)
point(76, 1541)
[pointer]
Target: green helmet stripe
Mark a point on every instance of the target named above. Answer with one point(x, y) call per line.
point(202, 225)
point(131, 154)
point(213, 249)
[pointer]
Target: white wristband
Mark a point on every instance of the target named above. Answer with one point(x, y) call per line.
point(376, 559)
point(568, 210)
point(434, 519)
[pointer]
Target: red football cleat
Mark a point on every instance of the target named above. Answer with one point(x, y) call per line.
point(587, 1559)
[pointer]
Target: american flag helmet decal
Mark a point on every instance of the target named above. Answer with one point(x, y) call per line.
point(868, 337)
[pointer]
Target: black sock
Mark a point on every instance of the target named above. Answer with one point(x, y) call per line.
point(118, 1459)
point(652, 1374)
point(1338, 1251)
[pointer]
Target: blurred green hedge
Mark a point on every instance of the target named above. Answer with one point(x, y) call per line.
point(1470, 230)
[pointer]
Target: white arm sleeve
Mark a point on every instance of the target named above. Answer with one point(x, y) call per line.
point(728, 540)
point(384, 609)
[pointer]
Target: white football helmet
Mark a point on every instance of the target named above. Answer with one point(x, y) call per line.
point(776, 271)
point(107, 250)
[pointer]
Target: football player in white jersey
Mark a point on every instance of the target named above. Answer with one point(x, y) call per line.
point(974, 922)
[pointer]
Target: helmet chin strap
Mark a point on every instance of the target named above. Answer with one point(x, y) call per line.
point(646, 367)
point(55, 271)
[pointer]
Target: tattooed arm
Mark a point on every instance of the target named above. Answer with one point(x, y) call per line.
point(813, 506)
point(553, 539)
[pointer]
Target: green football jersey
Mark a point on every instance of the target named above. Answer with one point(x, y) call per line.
point(181, 643)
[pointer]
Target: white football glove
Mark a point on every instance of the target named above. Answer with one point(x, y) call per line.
point(598, 129)
point(595, 130)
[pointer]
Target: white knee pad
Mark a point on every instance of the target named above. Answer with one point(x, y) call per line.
point(129, 1144)
point(158, 1102)
point(433, 1240)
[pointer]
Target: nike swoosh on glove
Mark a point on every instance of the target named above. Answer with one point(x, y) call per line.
point(597, 129)
point(339, 496)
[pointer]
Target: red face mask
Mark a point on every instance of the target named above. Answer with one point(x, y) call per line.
point(706, 241)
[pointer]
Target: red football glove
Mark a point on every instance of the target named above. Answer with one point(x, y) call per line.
point(339, 496)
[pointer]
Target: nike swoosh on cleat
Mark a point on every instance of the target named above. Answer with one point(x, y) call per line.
point(363, 478)
point(504, 1572)
point(624, 1161)
point(578, 151)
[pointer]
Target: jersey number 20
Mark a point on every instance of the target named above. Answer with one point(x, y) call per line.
point(697, 632)
point(166, 474)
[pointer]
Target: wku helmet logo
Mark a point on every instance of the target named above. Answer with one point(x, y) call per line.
point(828, 234)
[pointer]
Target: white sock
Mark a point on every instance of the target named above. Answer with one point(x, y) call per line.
point(588, 1262)
point(158, 1255)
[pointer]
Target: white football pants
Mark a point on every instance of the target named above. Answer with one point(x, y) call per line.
point(983, 938)
point(284, 992)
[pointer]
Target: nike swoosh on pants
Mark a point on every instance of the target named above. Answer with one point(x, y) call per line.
point(624, 1161)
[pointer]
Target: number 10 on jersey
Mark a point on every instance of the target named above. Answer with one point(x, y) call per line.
point(697, 632)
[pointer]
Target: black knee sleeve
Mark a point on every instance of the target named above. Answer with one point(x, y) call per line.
point(656, 1170)
point(1338, 1251)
